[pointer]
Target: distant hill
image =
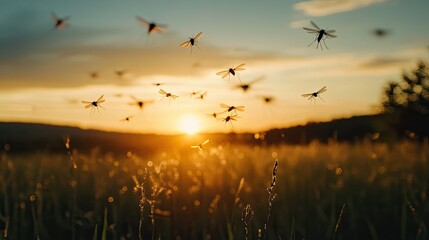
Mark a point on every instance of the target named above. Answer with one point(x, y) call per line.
point(31, 136)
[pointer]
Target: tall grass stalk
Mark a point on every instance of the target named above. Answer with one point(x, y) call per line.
point(271, 196)
point(246, 217)
point(340, 217)
point(141, 188)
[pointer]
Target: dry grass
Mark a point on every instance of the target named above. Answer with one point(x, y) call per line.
point(200, 194)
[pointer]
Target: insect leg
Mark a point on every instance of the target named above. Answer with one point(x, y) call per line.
point(312, 42)
point(321, 98)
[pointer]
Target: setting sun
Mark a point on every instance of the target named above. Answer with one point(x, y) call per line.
point(190, 124)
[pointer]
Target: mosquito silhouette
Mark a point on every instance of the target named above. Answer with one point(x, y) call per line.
point(213, 115)
point(121, 73)
point(151, 26)
point(168, 95)
point(313, 96)
point(127, 119)
point(60, 23)
point(94, 104)
point(157, 84)
point(139, 103)
point(379, 32)
point(233, 109)
point(93, 75)
point(321, 35)
point(229, 119)
point(246, 86)
point(201, 145)
point(267, 99)
point(233, 71)
point(193, 94)
point(192, 42)
point(201, 96)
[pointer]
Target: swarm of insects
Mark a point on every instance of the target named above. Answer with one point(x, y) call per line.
point(168, 94)
point(314, 95)
point(321, 35)
point(233, 71)
point(192, 42)
point(151, 26)
point(59, 22)
point(201, 145)
point(94, 104)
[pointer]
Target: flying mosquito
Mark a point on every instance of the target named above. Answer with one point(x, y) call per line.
point(94, 75)
point(379, 32)
point(157, 84)
point(201, 145)
point(192, 41)
point(213, 115)
point(193, 94)
point(121, 73)
point(229, 118)
point(313, 96)
point(139, 103)
point(322, 34)
point(201, 96)
point(233, 71)
point(267, 99)
point(151, 26)
point(94, 104)
point(59, 22)
point(168, 95)
point(127, 119)
point(246, 86)
point(232, 108)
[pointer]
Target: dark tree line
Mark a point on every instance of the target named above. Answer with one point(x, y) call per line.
point(406, 102)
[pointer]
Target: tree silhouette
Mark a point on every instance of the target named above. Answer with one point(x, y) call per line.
point(407, 101)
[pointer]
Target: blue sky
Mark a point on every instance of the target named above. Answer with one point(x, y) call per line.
point(44, 73)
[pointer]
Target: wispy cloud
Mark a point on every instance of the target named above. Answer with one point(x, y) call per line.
point(328, 7)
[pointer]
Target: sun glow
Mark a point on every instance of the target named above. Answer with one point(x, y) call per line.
point(190, 125)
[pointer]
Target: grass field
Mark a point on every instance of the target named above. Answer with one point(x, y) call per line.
point(382, 191)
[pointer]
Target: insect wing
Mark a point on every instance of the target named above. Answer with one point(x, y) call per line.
point(205, 142)
point(322, 90)
point(88, 104)
point(222, 72)
point(162, 92)
point(240, 67)
point(315, 25)
point(224, 105)
point(196, 38)
point(310, 30)
point(330, 35)
point(142, 21)
point(307, 95)
point(240, 108)
point(100, 99)
point(185, 44)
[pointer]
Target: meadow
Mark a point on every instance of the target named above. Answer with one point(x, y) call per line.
point(219, 192)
